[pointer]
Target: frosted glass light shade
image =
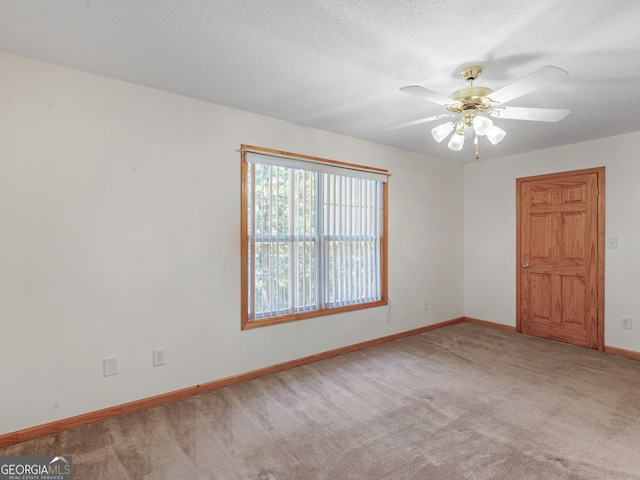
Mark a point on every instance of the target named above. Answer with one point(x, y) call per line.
point(482, 125)
point(456, 142)
point(495, 134)
point(442, 131)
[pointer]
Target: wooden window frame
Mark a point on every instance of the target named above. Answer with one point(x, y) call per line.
point(248, 323)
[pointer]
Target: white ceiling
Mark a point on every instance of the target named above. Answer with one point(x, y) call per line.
point(338, 64)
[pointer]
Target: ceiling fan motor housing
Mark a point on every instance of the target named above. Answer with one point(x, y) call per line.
point(470, 98)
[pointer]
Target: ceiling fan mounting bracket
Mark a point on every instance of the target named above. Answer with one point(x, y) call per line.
point(471, 73)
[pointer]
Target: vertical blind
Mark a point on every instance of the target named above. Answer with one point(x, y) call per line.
point(314, 236)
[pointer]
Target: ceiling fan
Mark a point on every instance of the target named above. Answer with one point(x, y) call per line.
point(473, 107)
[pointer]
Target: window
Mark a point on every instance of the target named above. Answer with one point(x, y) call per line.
point(313, 236)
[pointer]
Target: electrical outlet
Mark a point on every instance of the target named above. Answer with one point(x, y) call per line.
point(425, 304)
point(159, 356)
point(110, 366)
point(625, 322)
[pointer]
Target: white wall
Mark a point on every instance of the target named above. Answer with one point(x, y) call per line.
point(120, 232)
point(490, 230)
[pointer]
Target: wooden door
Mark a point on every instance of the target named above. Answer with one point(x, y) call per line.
point(560, 253)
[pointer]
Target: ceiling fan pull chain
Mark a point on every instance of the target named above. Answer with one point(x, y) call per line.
point(476, 142)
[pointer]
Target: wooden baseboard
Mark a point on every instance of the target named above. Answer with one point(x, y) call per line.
point(490, 324)
point(612, 350)
point(111, 412)
point(622, 353)
point(58, 426)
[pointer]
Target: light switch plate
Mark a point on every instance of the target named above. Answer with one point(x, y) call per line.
point(110, 366)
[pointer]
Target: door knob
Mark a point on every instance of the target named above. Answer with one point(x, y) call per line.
point(526, 265)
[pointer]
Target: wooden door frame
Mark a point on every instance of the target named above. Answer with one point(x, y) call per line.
point(600, 171)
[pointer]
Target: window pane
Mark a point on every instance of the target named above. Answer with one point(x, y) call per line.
point(313, 239)
point(351, 236)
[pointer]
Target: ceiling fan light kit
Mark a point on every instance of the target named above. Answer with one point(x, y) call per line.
point(470, 102)
point(442, 131)
point(495, 134)
point(457, 140)
point(482, 125)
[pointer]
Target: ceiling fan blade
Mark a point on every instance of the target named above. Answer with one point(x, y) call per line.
point(534, 81)
point(421, 120)
point(429, 95)
point(534, 114)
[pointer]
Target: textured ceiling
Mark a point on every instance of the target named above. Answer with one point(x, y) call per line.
point(337, 64)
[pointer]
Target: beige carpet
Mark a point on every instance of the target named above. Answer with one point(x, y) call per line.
point(461, 402)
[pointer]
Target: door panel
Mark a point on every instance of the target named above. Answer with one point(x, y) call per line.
point(541, 237)
point(560, 235)
point(541, 296)
point(573, 239)
point(573, 300)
